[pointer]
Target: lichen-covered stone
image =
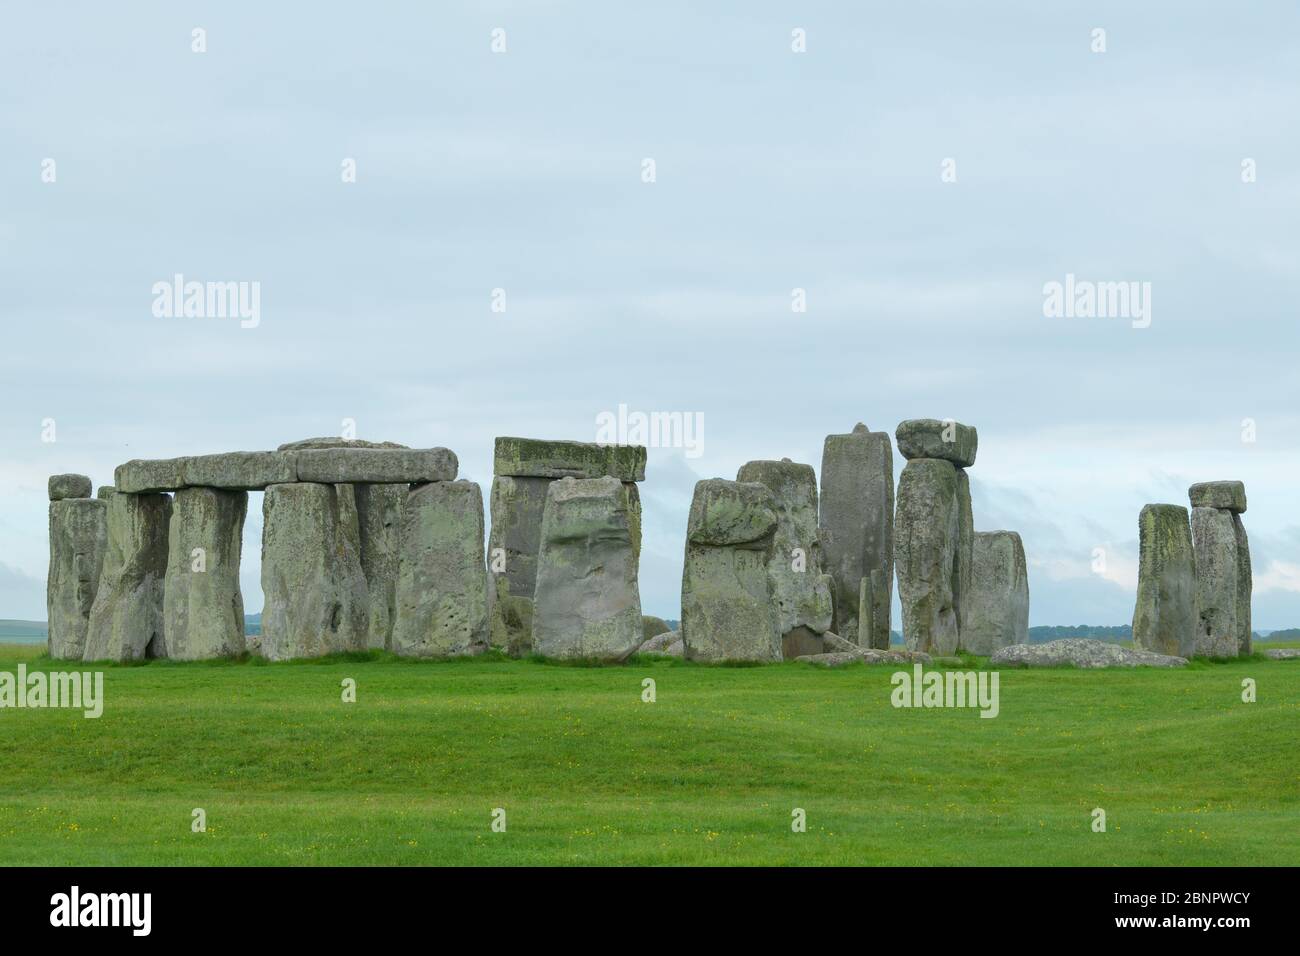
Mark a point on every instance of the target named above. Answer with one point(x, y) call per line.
point(927, 530)
point(78, 541)
point(126, 620)
point(587, 604)
point(965, 555)
point(442, 600)
point(1214, 541)
point(380, 466)
point(731, 514)
point(997, 612)
point(857, 528)
point(379, 518)
point(1218, 494)
point(544, 458)
point(69, 486)
point(203, 609)
point(315, 594)
point(1164, 619)
point(332, 441)
point(238, 470)
point(728, 611)
point(800, 587)
point(1080, 652)
point(146, 475)
point(1245, 586)
point(932, 438)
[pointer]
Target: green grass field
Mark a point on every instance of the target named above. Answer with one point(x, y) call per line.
point(708, 774)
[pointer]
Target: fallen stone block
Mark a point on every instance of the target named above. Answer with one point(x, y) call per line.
point(1080, 652)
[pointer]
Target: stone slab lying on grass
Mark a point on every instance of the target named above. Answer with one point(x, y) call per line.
point(1081, 652)
point(659, 643)
point(1283, 653)
point(865, 655)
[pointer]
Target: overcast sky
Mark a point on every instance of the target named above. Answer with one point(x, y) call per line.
point(774, 170)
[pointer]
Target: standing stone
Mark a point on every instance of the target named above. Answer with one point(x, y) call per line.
point(857, 527)
point(800, 587)
point(442, 601)
point(728, 612)
point(1214, 541)
point(517, 504)
point(1164, 620)
point(379, 517)
point(926, 543)
point(587, 604)
point(962, 582)
point(997, 609)
point(1244, 587)
point(314, 589)
point(873, 603)
point(78, 541)
point(126, 621)
point(203, 610)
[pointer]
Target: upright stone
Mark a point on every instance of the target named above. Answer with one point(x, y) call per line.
point(927, 541)
point(314, 589)
point(962, 582)
point(587, 604)
point(997, 612)
point(857, 527)
point(203, 610)
point(126, 621)
point(379, 516)
point(1214, 541)
point(1164, 619)
point(442, 601)
point(78, 541)
point(728, 611)
point(800, 587)
point(516, 504)
point(1244, 587)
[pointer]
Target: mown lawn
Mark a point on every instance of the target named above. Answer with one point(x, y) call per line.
point(587, 773)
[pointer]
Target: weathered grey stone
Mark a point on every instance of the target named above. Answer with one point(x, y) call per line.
point(676, 649)
point(379, 519)
point(873, 605)
point(314, 589)
point(865, 655)
point(1245, 586)
point(544, 458)
point(69, 486)
point(144, 475)
point(732, 514)
point(380, 466)
point(800, 587)
point(659, 643)
point(997, 612)
point(728, 612)
point(203, 609)
point(857, 528)
point(1283, 653)
point(1164, 619)
point(962, 581)
point(78, 540)
point(832, 659)
point(652, 626)
point(875, 655)
point(126, 620)
point(1218, 494)
point(442, 599)
point(926, 540)
point(510, 624)
point(515, 538)
point(1214, 540)
point(932, 438)
point(1080, 652)
point(587, 603)
point(238, 470)
point(330, 441)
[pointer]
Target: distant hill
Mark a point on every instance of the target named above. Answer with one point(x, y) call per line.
point(252, 624)
point(1100, 632)
point(23, 632)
